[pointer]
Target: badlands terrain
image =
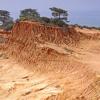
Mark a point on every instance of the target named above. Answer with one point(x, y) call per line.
point(39, 62)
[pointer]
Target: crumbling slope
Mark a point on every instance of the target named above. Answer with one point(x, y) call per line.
point(27, 36)
point(41, 64)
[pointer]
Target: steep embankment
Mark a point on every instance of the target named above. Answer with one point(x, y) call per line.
point(28, 36)
point(35, 42)
point(47, 63)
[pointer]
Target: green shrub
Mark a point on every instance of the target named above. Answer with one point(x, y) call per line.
point(8, 26)
point(45, 19)
point(58, 22)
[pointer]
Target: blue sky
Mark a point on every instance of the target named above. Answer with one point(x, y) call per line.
point(84, 12)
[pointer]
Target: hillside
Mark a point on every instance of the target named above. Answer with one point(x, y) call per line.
point(39, 62)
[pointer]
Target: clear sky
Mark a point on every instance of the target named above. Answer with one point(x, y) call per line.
point(84, 12)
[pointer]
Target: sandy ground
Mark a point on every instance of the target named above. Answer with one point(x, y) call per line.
point(58, 66)
point(19, 83)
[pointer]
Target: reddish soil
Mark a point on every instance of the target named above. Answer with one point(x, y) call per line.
point(39, 62)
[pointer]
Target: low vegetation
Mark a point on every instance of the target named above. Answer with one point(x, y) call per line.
point(59, 17)
point(6, 21)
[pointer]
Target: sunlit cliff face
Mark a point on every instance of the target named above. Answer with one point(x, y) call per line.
point(43, 62)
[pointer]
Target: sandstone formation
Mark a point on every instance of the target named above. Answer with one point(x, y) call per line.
point(39, 62)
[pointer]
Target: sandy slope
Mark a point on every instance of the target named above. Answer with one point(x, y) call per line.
point(19, 83)
point(39, 62)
